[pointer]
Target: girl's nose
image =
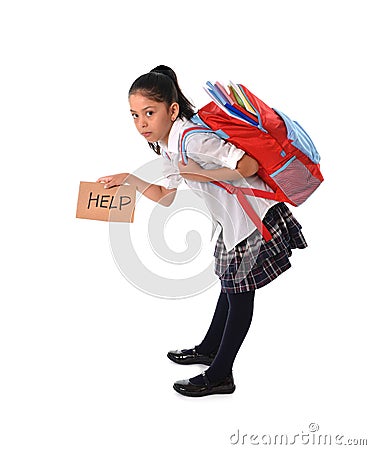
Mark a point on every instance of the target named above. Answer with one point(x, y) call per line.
point(142, 123)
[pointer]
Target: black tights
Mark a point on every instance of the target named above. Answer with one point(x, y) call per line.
point(227, 331)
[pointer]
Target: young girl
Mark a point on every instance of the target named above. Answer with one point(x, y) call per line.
point(161, 113)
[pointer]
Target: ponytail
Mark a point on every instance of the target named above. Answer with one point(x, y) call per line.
point(161, 85)
point(186, 108)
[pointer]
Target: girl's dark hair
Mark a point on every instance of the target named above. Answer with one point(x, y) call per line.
point(161, 85)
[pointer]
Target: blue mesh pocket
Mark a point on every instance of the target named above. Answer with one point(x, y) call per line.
point(296, 181)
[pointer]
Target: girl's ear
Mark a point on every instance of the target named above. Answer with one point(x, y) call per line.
point(174, 111)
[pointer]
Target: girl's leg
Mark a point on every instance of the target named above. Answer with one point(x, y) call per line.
point(213, 337)
point(238, 322)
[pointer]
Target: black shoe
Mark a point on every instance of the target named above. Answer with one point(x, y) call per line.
point(186, 387)
point(187, 357)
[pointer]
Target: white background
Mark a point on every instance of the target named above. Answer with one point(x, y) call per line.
point(83, 352)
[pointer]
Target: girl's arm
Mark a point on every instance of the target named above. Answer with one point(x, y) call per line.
point(246, 167)
point(154, 192)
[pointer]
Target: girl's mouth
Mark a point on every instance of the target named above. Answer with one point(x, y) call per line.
point(147, 134)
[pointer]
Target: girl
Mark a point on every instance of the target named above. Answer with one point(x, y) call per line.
point(161, 113)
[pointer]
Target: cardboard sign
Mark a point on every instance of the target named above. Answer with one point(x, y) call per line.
point(115, 204)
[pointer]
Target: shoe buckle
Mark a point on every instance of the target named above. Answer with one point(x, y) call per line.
point(206, 380)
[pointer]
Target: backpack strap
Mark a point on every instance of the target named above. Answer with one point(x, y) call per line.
point(246, 205)
point(239, 191)
point(186, 133)
point(165, 154)
point(200, 127)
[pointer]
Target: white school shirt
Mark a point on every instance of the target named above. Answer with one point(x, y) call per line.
point(212, 152)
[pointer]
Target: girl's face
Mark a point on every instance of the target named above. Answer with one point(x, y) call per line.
point(152, 119)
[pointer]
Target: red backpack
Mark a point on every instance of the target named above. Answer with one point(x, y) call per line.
point(288, 160)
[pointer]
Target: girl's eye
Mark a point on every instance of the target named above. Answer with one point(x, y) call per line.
point(149, 113)
point(134, 115)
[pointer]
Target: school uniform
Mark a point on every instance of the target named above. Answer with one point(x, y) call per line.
point(243, 260)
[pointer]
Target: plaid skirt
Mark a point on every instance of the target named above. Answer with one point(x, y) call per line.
point(253, 263)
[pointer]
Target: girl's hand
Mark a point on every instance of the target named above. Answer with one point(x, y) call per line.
point(113, 180)
point(190, 171)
